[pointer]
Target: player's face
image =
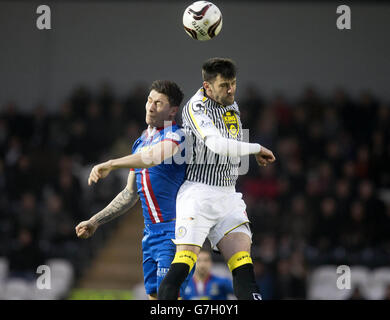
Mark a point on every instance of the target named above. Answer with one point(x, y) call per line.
point(203, 264)
point(222, 90)
point(158, 109)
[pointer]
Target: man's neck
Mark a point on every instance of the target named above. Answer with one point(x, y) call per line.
point(202, 278)
point(152, 128)
point(207, 96)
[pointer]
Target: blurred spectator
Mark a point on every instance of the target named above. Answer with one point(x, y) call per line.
point(387, 293)
point(204, 285)
point(283, 113)
point(291, 279)
point(95, 134)
point(58, 228)
point(264, 279)
point(252, 106)
point(344, 107)
point(78, 141)
point(67, 185)
point(60, 127)
point(365, 111)
point(312, 103)
point(27, 215)
point(106, 98)
point(343, 197)
point(298, 222)
point(362, 166)
point(39, 127)
point(124, 142)
point(325, 232)
point(265, 128)
point(117, 121)
point(80, 99)
point(355, 235)
point(24, 256)
point(13, 152)
point(357, 294)
point(135, 103)
point(23, 177)
point(266, 248)
point(265, 186)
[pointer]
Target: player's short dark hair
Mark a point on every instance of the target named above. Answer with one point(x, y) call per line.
point(170, 89)
point(222, 66)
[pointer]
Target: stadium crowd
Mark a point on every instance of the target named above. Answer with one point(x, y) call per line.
point(322, 202)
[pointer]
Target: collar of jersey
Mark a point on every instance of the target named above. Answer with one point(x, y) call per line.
point(151, 131)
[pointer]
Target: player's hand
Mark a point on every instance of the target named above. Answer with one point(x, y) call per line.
point(85, 229)
point(264, 157)
point(99, 171)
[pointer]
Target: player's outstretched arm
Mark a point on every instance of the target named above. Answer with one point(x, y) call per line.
point(203, 126)
point(229, 147)
point(120, 205)
point(145, 159)
point(233, 148)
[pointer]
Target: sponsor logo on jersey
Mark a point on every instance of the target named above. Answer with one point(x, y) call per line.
point(205, 124)
point(142, 149)
point(214, 289)
point(231, 123)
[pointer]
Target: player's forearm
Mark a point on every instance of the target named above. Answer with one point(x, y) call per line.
point(230, 147)
point(138, 160)
point(146, 159)
point(120, 205)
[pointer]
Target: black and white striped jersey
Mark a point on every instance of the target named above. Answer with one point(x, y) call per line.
point(202, 116)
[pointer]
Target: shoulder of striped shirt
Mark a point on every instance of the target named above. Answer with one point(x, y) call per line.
point(197, 97)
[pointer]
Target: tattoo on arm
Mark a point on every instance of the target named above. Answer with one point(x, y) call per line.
point(120, 205)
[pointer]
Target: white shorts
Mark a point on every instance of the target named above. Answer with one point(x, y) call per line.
point(208, 211)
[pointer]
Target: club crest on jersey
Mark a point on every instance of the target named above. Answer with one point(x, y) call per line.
point(142, 149)
point(231, 123)
point(181, 232)
point(198, 108)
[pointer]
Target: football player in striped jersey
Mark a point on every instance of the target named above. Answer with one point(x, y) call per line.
point(153, 179)
point(207, 202)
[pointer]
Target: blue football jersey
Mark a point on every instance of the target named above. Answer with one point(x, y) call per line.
point(214, 288)
point(158, 186)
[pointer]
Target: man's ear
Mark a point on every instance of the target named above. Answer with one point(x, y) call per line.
point(173, 111)
point(206, 85)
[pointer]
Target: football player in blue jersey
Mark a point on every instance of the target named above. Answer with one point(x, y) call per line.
point(204, 285)
point(157, 170)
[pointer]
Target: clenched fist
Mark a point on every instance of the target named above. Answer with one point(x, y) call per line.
point(264, 157)
point(85, 229)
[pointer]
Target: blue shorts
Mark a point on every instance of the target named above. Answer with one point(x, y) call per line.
point(158, 253)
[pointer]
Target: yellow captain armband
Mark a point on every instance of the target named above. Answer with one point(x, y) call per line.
point(238, 259)
point(185, 256)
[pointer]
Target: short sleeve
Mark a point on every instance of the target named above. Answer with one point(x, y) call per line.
point(135, 145)
point(173, 134)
